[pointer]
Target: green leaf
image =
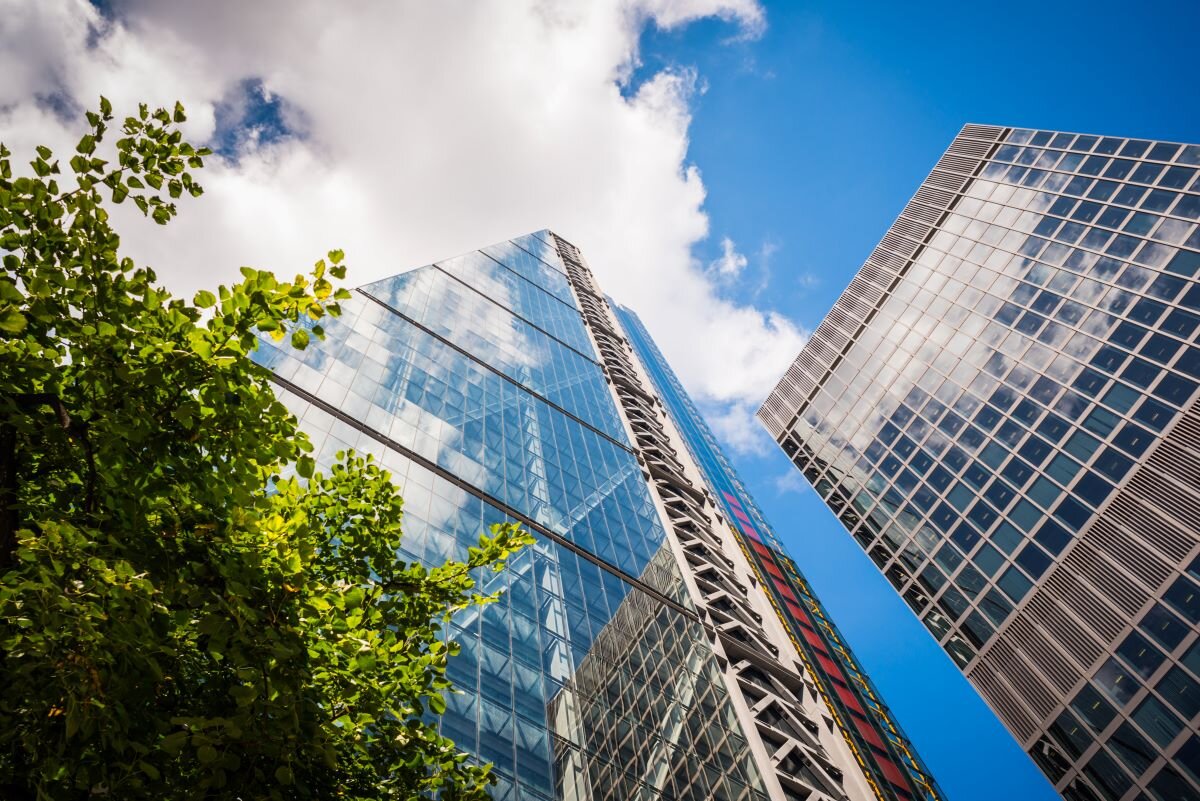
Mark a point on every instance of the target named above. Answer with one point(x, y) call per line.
point(11, 321)
point(300, 339)
point(87, 145)
point(283, 774)
point(244, 695)
point(204, 299)
point(174, 742)
point(206, 754)
point(305, 466)
point(105, 106)
point(180, 116)
point(437, 704)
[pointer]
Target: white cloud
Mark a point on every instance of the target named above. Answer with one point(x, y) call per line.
point(790, 481)
point(731, 263)
point(429, 129)
point(734, 424)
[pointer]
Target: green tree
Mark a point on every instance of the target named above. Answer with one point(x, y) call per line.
point(187, 610)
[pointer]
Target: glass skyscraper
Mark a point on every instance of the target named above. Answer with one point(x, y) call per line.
point(634, 653)
point(1001, 409)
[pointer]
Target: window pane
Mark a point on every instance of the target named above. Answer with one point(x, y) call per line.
point(1165, 627)
point(1184, 595)
point(1170, 786)
point(1116, 682)
point(1070, 734)
point(1157, 721)
point(1094, 710)
point(1181, 692)
point(1107, 775)
point(1140, 654)
point(1132, 748)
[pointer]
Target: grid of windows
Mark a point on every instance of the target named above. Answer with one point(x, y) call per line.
point(1039, 343)
point(474, 383)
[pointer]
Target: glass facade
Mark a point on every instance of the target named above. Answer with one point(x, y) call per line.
point(474, 381)
point(861, 715)
point(1001, 410)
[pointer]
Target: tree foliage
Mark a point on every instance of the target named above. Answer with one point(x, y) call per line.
point(187, 609)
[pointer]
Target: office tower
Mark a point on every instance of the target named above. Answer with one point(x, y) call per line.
point(1001, 409)
point(634, 653)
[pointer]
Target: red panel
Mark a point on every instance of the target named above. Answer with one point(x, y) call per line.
point(892, 772)
point(786, 590)
point(831, 668)
point(774, 571)
point(814, 640)
point(763, 550)
point(848, 697)
point(799, 614)
point(731, 499)
point(872, 736)
point(750, 532)
point(740, 514)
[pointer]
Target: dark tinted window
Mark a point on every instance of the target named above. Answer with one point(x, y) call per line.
point(1070, 734)
point(1181, 692)
point(1161, 624)
point(1093, 708)
point(1132, 749)
point(1106, 774)
point(1117, 682)
point(1184, 596)
point(1140, 654)
point(1156, 720)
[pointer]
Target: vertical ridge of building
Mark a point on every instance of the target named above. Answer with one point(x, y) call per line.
point(864, 720)
point(761, 659)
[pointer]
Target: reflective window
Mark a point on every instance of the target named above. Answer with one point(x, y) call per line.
point(1140, 654)
point(1156, 720)
point(1181, 691)
point(1132, 749)
point(1184, 597)
point(1107, 775)
point(1164, 627)
point(1093, 709)
point(1117, 682)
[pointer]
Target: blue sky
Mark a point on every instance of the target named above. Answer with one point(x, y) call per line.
point(810, 141)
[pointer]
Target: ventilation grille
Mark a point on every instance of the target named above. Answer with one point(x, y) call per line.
point(1042, 654)
point(1030, 687)
point(991, 133)
point(1084, 560)
point(1131, 552)
point(1063, 629)
point(1003, 702)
